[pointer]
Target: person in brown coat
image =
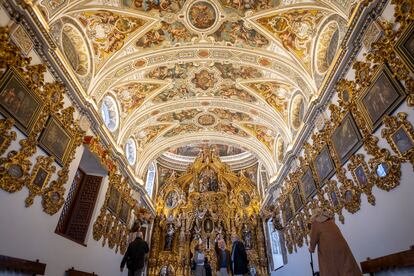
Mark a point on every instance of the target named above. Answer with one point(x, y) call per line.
point(334, 255)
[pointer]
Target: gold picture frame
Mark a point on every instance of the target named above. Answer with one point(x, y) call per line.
point(287, 210)
point(56, 140)
point(405, 46)
point(380, 98)
point(399, 134)
point(308, 184)
point(323, 165)
point(18, 101)
point(362, 176)
point(39, 178)
point(297, 199)
point(346, 138)
point(334, 198)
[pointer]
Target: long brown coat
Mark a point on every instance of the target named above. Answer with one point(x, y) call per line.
point(335, 257)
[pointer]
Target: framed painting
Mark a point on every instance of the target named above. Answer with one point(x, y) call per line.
point(17, 101)
point(40, 178)
point(402, 140)
point(113, 201)
point(405, 46)
point(297, 199)
point(56, 141)
point(308, 184)
point(287, 210)
point(380, 98)
point(323, 165)
point(346, 138)
point(333, 196)
point(124, 211)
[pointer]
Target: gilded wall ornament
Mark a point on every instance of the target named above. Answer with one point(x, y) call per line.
point(400, 136)
point(39, 178)
point(362, 176)
point(6, 134)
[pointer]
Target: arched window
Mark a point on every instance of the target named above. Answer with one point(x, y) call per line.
point(275, 246)
point(149, 187)
point(131, 151)
point(109, 112)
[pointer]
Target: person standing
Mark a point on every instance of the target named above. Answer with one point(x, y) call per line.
point(334, 255)
point(239, 261)
point(207, 267)
point(198, 260)
point(135, 256)
point(223, 258)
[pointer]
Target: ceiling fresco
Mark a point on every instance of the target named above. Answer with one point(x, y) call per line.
point(194, 149)
point(241, 72)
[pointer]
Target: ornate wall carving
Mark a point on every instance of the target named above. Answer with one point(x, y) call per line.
point(352, 124)
point(15, 165)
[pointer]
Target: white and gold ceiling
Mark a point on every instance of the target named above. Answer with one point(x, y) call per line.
point(168, 73)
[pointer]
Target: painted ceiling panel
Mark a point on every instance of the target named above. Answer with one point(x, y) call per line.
point(244, 71)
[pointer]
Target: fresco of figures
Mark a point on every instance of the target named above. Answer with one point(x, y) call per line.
point(274, 93)
point(132, 95)
point(195, 149)
point(237, 34)
point(263, 134)
point(167, 34)
point(108, 31)
point(296, 30)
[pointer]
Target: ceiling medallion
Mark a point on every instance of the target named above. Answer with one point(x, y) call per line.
point(206, 120)
point(204, 80)
point(202, 15)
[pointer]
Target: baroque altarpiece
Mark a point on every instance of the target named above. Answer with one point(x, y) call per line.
point(198, 205)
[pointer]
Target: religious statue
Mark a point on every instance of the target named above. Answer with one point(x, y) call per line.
point(247, 237)
point(169, 237)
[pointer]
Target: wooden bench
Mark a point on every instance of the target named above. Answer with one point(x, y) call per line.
point(21, 265)
point(73, 272)
point(393, 261)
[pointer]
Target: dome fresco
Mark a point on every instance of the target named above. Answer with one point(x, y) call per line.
point(201, 71)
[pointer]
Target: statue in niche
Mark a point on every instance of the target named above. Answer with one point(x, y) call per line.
point(247, 237)
point(191, 188)
point(208, 226)
point(208, 180)
point(172, 199)
point(197, 230)
point(169, 237)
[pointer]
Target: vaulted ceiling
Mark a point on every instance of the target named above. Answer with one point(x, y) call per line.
point(167, 73)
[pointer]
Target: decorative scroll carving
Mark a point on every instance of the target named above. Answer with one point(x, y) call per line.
point(6, 134)
point(15, 167)
point(39, 177)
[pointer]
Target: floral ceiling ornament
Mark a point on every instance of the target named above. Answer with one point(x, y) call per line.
point(204, 80)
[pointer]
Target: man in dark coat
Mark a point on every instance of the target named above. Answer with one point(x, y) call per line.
point(135, 256)
point(239, 261)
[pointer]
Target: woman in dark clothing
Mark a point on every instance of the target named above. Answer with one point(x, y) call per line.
point(207, 267)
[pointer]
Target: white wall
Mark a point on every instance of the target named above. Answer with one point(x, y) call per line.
point(29, 233)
